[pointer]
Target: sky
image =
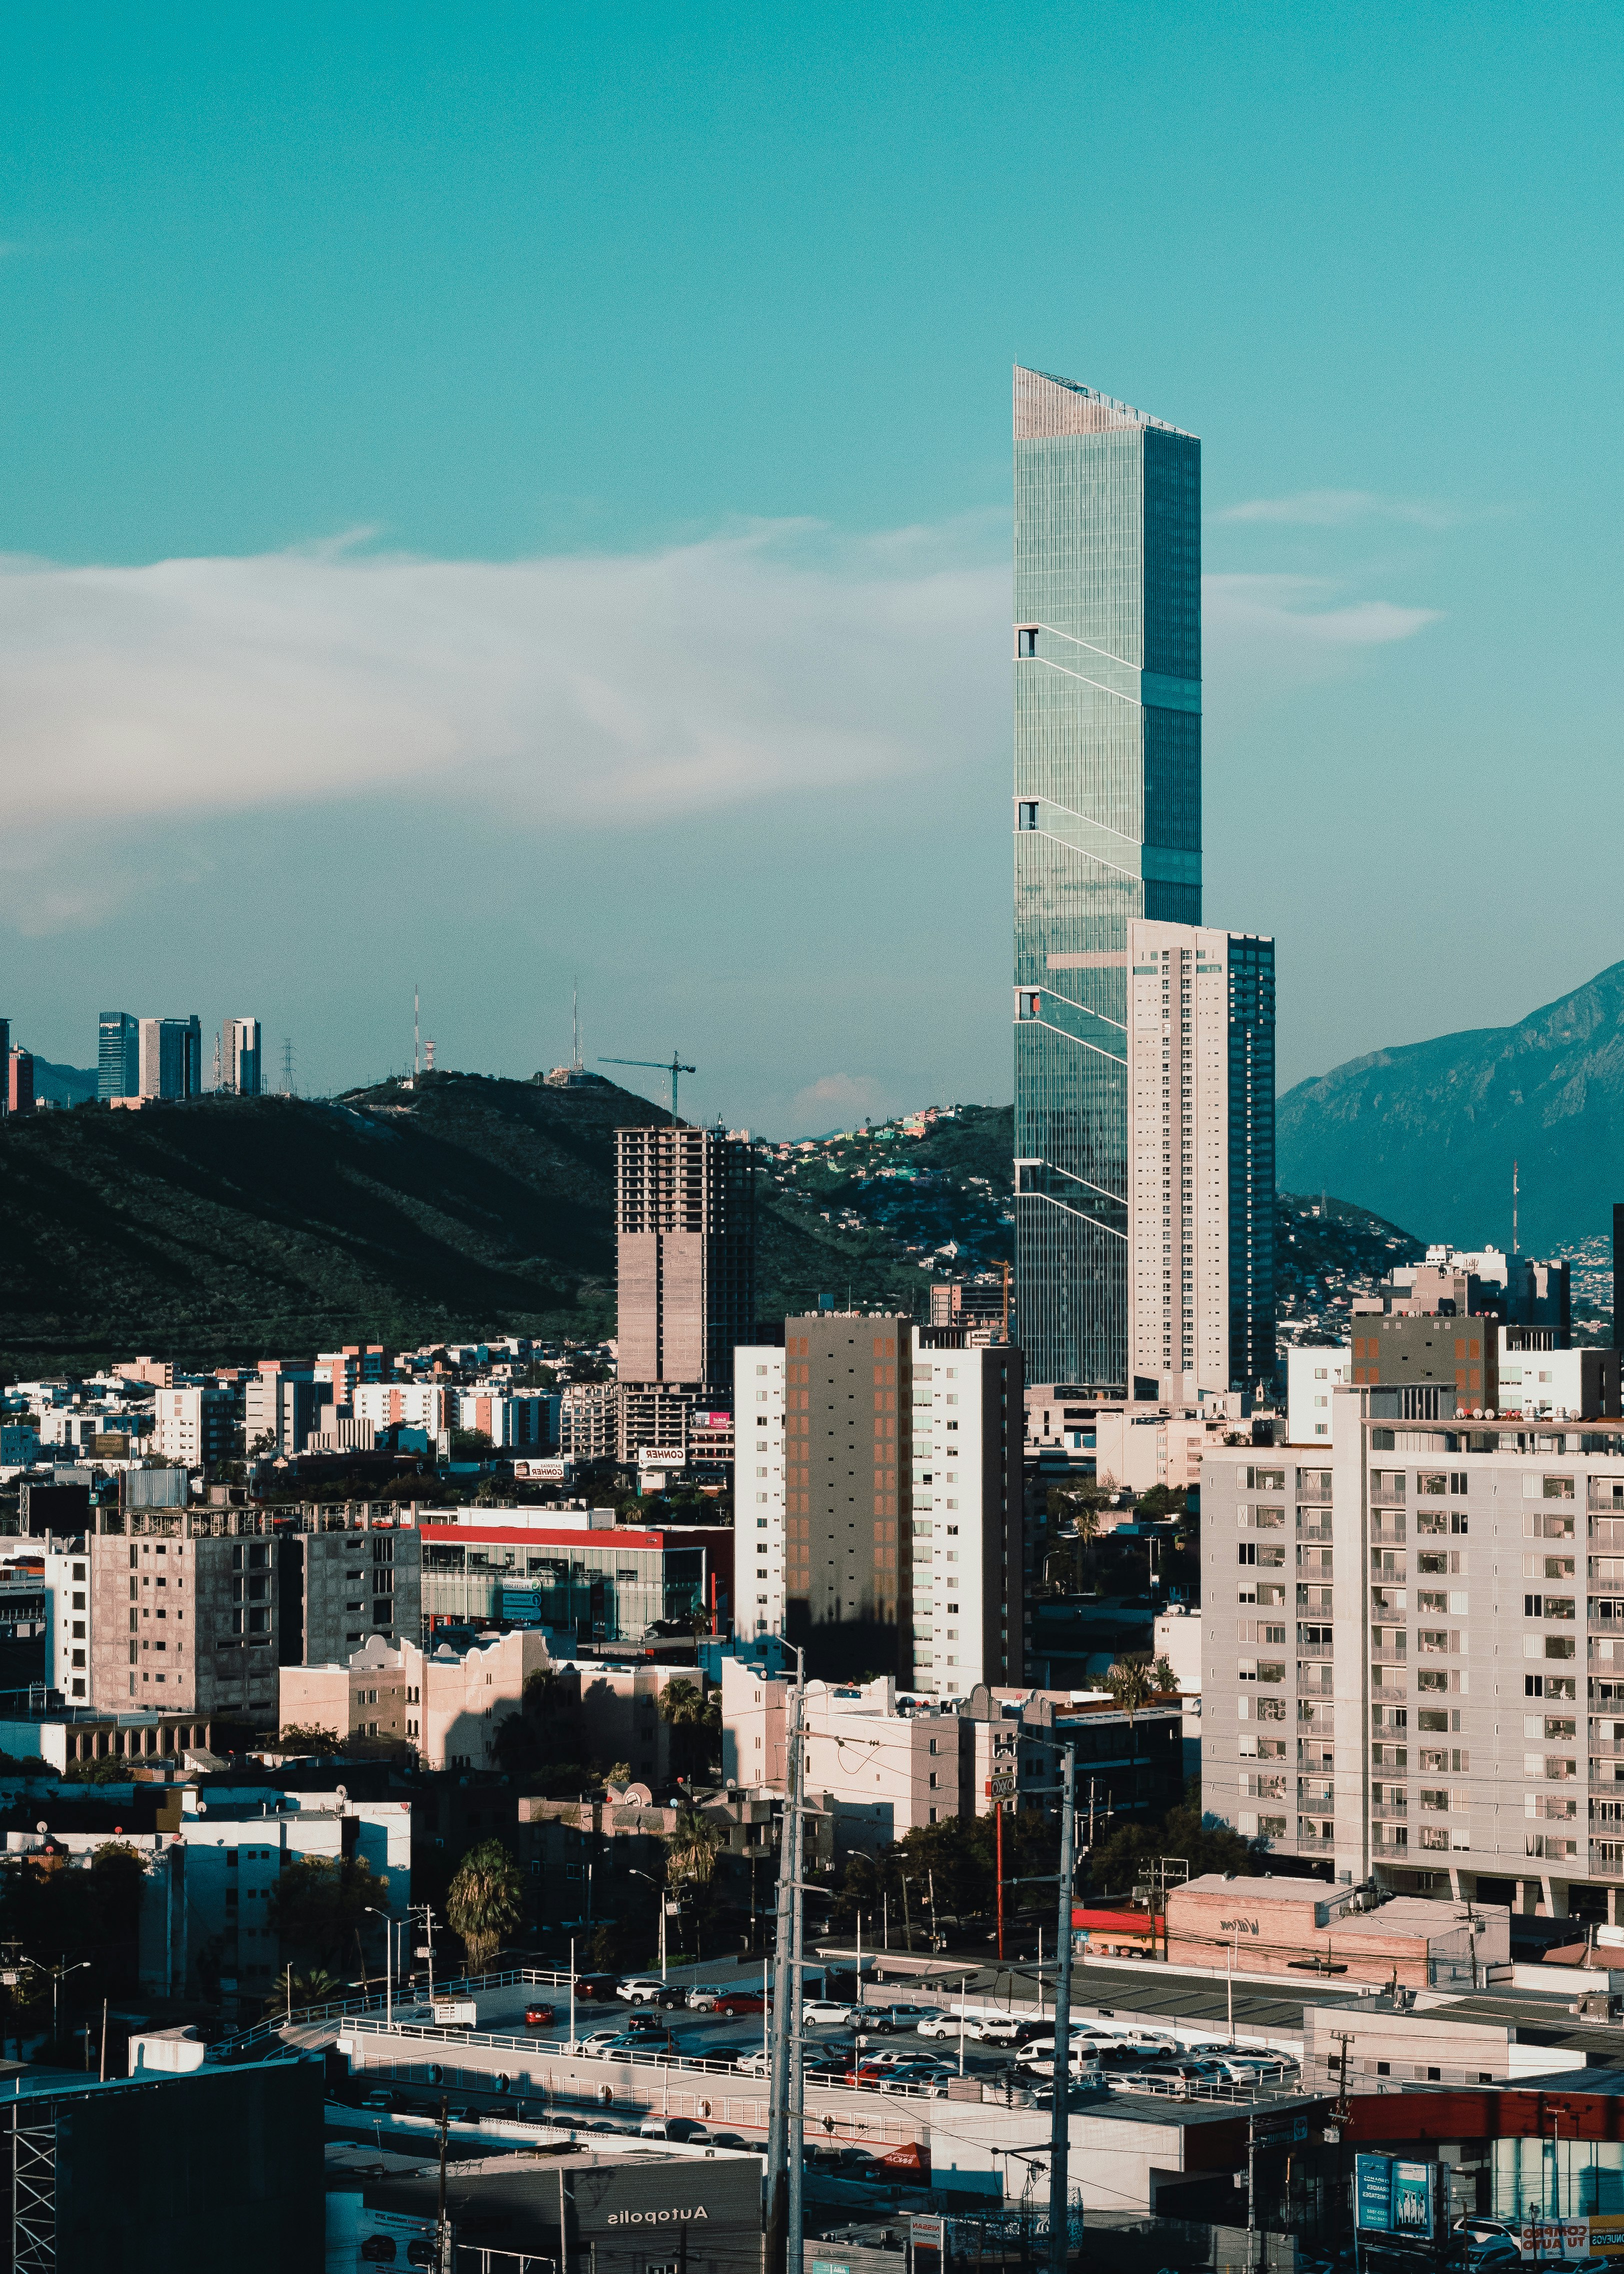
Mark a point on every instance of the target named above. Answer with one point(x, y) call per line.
point(490, 496)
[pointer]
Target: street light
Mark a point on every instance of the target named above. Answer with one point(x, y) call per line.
point(388, 1964)
point(632, 1872)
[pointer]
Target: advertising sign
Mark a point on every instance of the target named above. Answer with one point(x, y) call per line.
point(1601, 2236)
point(1412, 2199)
point(1372, 2194)
point(1392, 2196)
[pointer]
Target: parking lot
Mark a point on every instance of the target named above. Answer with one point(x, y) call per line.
point(920, 2048)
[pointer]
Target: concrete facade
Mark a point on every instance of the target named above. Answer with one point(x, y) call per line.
point(1421, 1676)
point(685, 1227)
point(1264, 1926)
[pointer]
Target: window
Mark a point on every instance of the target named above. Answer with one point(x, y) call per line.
point(1027, 640)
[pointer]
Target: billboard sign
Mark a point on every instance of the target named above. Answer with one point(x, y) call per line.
point(1394, 2196)
point(1372, 2194)
point(1599, 2237)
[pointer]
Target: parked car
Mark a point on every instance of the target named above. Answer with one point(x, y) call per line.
point(638, 1989)
point(1001, 2030)
point(599, 1986)
point(885, 2020)
point(673, 2128)
point(817, 2011)
point(1477, 2229)
point(1079, 2066)
point(646, 2024)
point(640, 2044)
point(702, 1996)
point(736, 2140)
point(755, 2064)
point(379, 2103)
point(540, 2016)
point(599, 2040)
point(944, 2025)
point(739, 2002)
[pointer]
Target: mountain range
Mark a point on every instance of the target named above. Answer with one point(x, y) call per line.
point(1426, 1136)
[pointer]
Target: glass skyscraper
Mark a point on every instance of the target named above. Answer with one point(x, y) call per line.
point(1108, 830)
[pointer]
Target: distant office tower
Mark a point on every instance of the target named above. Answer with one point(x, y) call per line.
point(20, 1080)
point(243, 1057)
point(171, 1058)
point(118, 1056)
point(1200, 1046)
point(878, 1480)
point(685, 1221)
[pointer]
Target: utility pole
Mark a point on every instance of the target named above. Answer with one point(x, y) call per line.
point(442, 2233)
point(1060, 2129)
point(784, 2149)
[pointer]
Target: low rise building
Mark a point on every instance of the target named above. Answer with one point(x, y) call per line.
point(448, 1705)
point(1272, 1926)
point(594, 1583)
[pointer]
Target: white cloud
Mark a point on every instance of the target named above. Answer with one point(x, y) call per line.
point(1338, 508)
point(837, 1100)
point(1239, 611)
point(572, 688)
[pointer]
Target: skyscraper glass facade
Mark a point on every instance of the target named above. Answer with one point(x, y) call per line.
point(1108, 827)
point(118, 1055)
point(1252, 1161)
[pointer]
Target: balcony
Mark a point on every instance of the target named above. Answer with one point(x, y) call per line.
point(1308, 1650)
point(1312, 1527)
point(1389, 1531)
point(1389, 1811)
point(1388, 1693)
point(1310, 1843)
point(1389, 1654)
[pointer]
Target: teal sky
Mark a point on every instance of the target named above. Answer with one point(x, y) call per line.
point(494, 493)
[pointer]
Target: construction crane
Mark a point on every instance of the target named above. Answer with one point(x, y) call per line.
point(673, 1070)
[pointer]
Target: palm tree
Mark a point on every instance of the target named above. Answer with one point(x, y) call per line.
point(690, 1848)
point(482, 1903)
point(1132, 1686)
point(692, 1717)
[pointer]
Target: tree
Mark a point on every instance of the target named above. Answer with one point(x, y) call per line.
point(319, 1903)
point(695, 1721)
point(483, 1904)
point(690, 1849)
point(1132, 1686)
point(1118, 1861)
point(308, 1737)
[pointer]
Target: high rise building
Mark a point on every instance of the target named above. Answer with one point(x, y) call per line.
point(171, 1058)
point(685, 1224)
point(19, 1082)
point(878, 1477)
point(1419, 1675)
point(118, 1056)
point(1108, 839)
point(1107, 814)
point(1200, 1045)
point(5, 1061)
point(243, 1057)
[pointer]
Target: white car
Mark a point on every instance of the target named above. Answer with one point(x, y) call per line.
point(640, 1988)
point(817, 2011)
point(702, 1996)
point(947, 2025)
point(1080, 2064)
point(997, 2029)
point(599, 2038)
point(756, 2064)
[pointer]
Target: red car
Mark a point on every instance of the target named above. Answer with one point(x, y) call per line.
point(740, 2001)
point(540, 2017)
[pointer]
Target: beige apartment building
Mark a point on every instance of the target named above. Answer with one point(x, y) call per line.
point(685, 1227)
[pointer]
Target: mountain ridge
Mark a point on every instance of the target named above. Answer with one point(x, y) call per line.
point(1426, 1133)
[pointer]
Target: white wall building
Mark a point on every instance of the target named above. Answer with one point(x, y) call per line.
point(193, 1426)
point(1310, 1377)
point(428, 1405)
point(758, 1488)
point(67, 1621)
point(1413, 1656)
point(881, 1774)
point(242, 1059)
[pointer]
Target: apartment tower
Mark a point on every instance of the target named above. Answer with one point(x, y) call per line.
point(685, 1224)
point(243, 1057)
point(878, 1501)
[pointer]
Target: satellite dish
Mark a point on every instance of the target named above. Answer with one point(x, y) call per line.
point(202, 1808)
point(342, 1791)
point(41, 1827)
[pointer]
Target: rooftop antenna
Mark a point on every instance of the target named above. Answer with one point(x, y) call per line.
point(286, 1065)
point(673, 1070)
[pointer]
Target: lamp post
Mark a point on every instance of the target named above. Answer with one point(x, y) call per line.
point(633, 1873)
point(388, 1964)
